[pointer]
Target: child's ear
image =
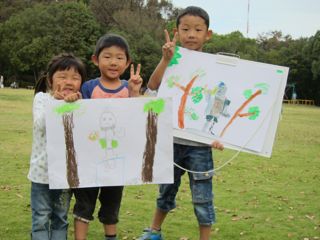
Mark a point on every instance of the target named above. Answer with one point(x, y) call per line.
point(209, 35)
point(128, 63)
point(94, 59)
point(48, 83)
point(175, 31)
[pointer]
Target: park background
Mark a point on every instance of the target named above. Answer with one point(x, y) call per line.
point(255, 197)
point(33, 31)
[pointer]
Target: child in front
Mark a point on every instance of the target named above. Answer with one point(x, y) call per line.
point(50, 207)
point(112, 58)
point(192, 32)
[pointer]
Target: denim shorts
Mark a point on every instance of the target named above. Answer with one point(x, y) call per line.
point(109, 197)
point(198, 159)
point(49, 212)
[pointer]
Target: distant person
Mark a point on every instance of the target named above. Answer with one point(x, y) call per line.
point(1, 82)
point(112, 58)
point(63, 80)
point(192, 31)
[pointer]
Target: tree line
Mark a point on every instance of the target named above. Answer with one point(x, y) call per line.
point(33, 31)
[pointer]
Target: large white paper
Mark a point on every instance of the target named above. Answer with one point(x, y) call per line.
point(106, 142)
point(225, 98)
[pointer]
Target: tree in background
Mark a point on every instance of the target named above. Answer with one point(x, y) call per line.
point(34, 30)
point(35, 34)
point(141, 22)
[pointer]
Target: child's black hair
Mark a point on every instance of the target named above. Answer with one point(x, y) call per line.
point(194, 11)
point(61, 62)
point(109, 40)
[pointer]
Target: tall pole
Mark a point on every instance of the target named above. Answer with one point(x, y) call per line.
point(248, 18)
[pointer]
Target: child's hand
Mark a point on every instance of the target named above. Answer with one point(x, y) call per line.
point(217, 145)
point(169, 47)
point(135, 81)
point(73, 97)
point(57, 94)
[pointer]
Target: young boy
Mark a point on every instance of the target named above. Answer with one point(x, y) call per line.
point(112, 58)
point(192, 31)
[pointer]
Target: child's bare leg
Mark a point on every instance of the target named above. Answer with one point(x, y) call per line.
point(80, 229)
point(204, 232)
point(110, 229)
point(158, 219)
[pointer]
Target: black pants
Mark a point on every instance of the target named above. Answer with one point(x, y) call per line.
point(109, 197)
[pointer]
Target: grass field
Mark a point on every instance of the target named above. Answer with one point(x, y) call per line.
point(255, 197)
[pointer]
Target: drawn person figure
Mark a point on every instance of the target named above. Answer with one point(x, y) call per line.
point(192, 32)
point(112, 58)
point(109, 137)
point(216, 105)
point(63, 79)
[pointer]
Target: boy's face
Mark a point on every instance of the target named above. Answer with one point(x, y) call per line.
point(112, 62)
point(66, 81)
point(193, 32)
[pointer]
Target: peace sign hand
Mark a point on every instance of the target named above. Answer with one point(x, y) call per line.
point(135, 81)
point(169, 47)
point(57, 94)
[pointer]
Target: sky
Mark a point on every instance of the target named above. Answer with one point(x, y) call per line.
point(298, 18)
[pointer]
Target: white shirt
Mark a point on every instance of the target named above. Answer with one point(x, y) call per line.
point(38, 171)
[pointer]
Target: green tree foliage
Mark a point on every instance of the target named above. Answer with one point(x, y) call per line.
point(34, 30)
point(313, 55)
point(141, 22)
point(234, 43)
point(35, 34)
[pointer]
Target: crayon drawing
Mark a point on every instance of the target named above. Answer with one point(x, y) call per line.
point(109, 142)
point(225, 98)
point(154, 108)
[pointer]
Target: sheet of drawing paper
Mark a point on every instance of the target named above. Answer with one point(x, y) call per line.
point(109, 142)
point(225, 98)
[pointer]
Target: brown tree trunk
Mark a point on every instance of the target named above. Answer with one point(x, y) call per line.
point(72, 168)
point(149, 151)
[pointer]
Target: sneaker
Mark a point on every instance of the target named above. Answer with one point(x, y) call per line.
point(149, 234)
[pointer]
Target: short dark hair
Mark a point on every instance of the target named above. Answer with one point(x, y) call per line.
point(61, 62)
point(194, 11)
point(109, 40)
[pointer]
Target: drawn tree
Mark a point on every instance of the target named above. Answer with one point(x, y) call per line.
point(253, 111)
point(154, 109)
point(66, 110)
point(173, 81)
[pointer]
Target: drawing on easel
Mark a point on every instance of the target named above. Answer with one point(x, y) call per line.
point(109, 142)
point(220, 97)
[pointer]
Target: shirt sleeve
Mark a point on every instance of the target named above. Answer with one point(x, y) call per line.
point(39, 106)
point(85, 91)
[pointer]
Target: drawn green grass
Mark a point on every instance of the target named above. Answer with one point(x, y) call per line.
point(255, 197)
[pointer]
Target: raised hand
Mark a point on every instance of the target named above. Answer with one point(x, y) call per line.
point(57, 94)
point(169, 47)
point(135, 81)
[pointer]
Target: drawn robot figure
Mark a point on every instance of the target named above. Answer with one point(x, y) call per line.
point(217, 105)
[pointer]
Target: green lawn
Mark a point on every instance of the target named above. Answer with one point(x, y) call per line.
point(255, 197)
